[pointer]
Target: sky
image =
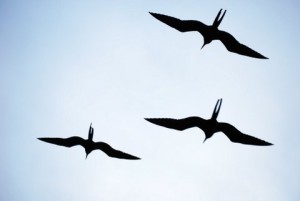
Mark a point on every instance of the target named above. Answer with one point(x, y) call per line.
point(65, 64)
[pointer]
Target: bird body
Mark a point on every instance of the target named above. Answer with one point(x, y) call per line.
point(89, 145)
point(209, 33)
point(209, 127)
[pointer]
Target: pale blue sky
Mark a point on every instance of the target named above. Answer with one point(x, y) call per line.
point(65, 64)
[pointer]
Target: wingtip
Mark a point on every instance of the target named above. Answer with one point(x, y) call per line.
point(266, 144)
point(43, 139)
point(151, 120)
point(255, 55)
point(151, 13)
point(260, 56)
point(148, 119)
point(155, 15)
point(131, 157)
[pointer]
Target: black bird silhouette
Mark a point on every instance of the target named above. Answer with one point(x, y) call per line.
point(209, 126)
point(89, 145)
point(210, 33)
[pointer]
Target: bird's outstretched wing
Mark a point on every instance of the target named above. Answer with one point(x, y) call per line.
point(179, 124)
point(66, 142)
point(181, 25)
point(233, 45)
point(236, 136)
point(106, 148)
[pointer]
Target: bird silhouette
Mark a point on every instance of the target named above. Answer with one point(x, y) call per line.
point(209, 126)
point(89, 145)
point(209, 33)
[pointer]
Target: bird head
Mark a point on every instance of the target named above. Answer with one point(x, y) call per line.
point(206, 41)
point(208, 135)
point(87, 152)
point(210, 130)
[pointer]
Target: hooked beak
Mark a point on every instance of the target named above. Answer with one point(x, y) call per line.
point(203, 46)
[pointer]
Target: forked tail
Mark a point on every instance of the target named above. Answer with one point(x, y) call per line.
point(91, 132)
point(217, 109)
point(218, 21)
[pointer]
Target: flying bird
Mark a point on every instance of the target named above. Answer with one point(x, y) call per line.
point(209, 126)
point(209, 33)
point(89, 145)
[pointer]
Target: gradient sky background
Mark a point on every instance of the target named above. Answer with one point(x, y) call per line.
point(65, 64)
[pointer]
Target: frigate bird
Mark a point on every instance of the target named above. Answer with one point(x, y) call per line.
point(209, 33)
point(209, 126)
point(89, 145)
